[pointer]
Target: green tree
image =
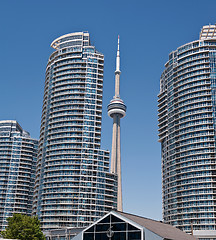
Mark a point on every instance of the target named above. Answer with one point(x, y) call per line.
point(23, 227)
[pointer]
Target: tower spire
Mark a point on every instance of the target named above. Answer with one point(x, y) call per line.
point(117, 73)
point(116, 110)
point(118, 58)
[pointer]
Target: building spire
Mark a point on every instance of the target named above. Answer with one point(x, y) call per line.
point(117, 73)
point(118, 58)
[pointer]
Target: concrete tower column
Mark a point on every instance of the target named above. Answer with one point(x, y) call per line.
point(117, 86)
point(119, 197)
point(114, 145)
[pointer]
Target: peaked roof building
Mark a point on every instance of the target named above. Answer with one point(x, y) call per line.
point(119, 225)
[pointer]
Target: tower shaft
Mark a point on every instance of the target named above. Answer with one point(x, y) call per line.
point(116, 157)
point(117, 85)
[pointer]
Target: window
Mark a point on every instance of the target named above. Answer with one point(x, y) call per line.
point(114, 227)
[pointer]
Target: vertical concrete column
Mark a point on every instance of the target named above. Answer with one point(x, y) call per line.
point(116, 157)
point(114, 145)
point(119, 199)
point(117, 85)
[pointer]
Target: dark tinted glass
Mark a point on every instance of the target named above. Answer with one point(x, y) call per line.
point(102, 227)
point(91, 229)
point(115, 219)
point(88, 236)
point(101, 236)
point(119, 236)
point(134, 235)
point(105, 220)
point(119, 227)
point(131, 227)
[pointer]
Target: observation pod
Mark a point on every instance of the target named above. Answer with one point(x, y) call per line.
point(116, 106)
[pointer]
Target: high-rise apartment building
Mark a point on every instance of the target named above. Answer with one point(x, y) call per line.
point(73, 184)
point(187, 132)
point(18, 156)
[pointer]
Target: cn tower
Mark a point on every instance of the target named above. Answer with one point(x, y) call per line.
point(117, 110)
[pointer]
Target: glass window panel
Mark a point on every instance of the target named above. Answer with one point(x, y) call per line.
point(119, 227)
point(119, 235)
point(131, 227)
point(105, 220)
point(100, 236)
point(115, 219)
point(102, 227)
point(88, 236)
point(134, 235)
point(91, 229)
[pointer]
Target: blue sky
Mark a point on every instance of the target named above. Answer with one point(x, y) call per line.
point(149, 31)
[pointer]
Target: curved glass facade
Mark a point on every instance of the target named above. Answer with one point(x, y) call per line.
point(187, 111)
point(73, 184)
point(18, 155)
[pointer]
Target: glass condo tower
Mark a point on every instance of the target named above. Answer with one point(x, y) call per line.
point(187, 128)
point(18, 156)
point(73, 184)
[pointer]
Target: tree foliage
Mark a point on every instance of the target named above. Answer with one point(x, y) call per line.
point(23, 227)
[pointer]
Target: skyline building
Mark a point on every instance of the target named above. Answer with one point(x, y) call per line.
point(187, 133)
point(18, 154)
point(117, 110)
point(74, 186)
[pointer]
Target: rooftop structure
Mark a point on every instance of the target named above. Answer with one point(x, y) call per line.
point(208, 32)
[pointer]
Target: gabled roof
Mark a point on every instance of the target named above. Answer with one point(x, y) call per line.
point(164, 230)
